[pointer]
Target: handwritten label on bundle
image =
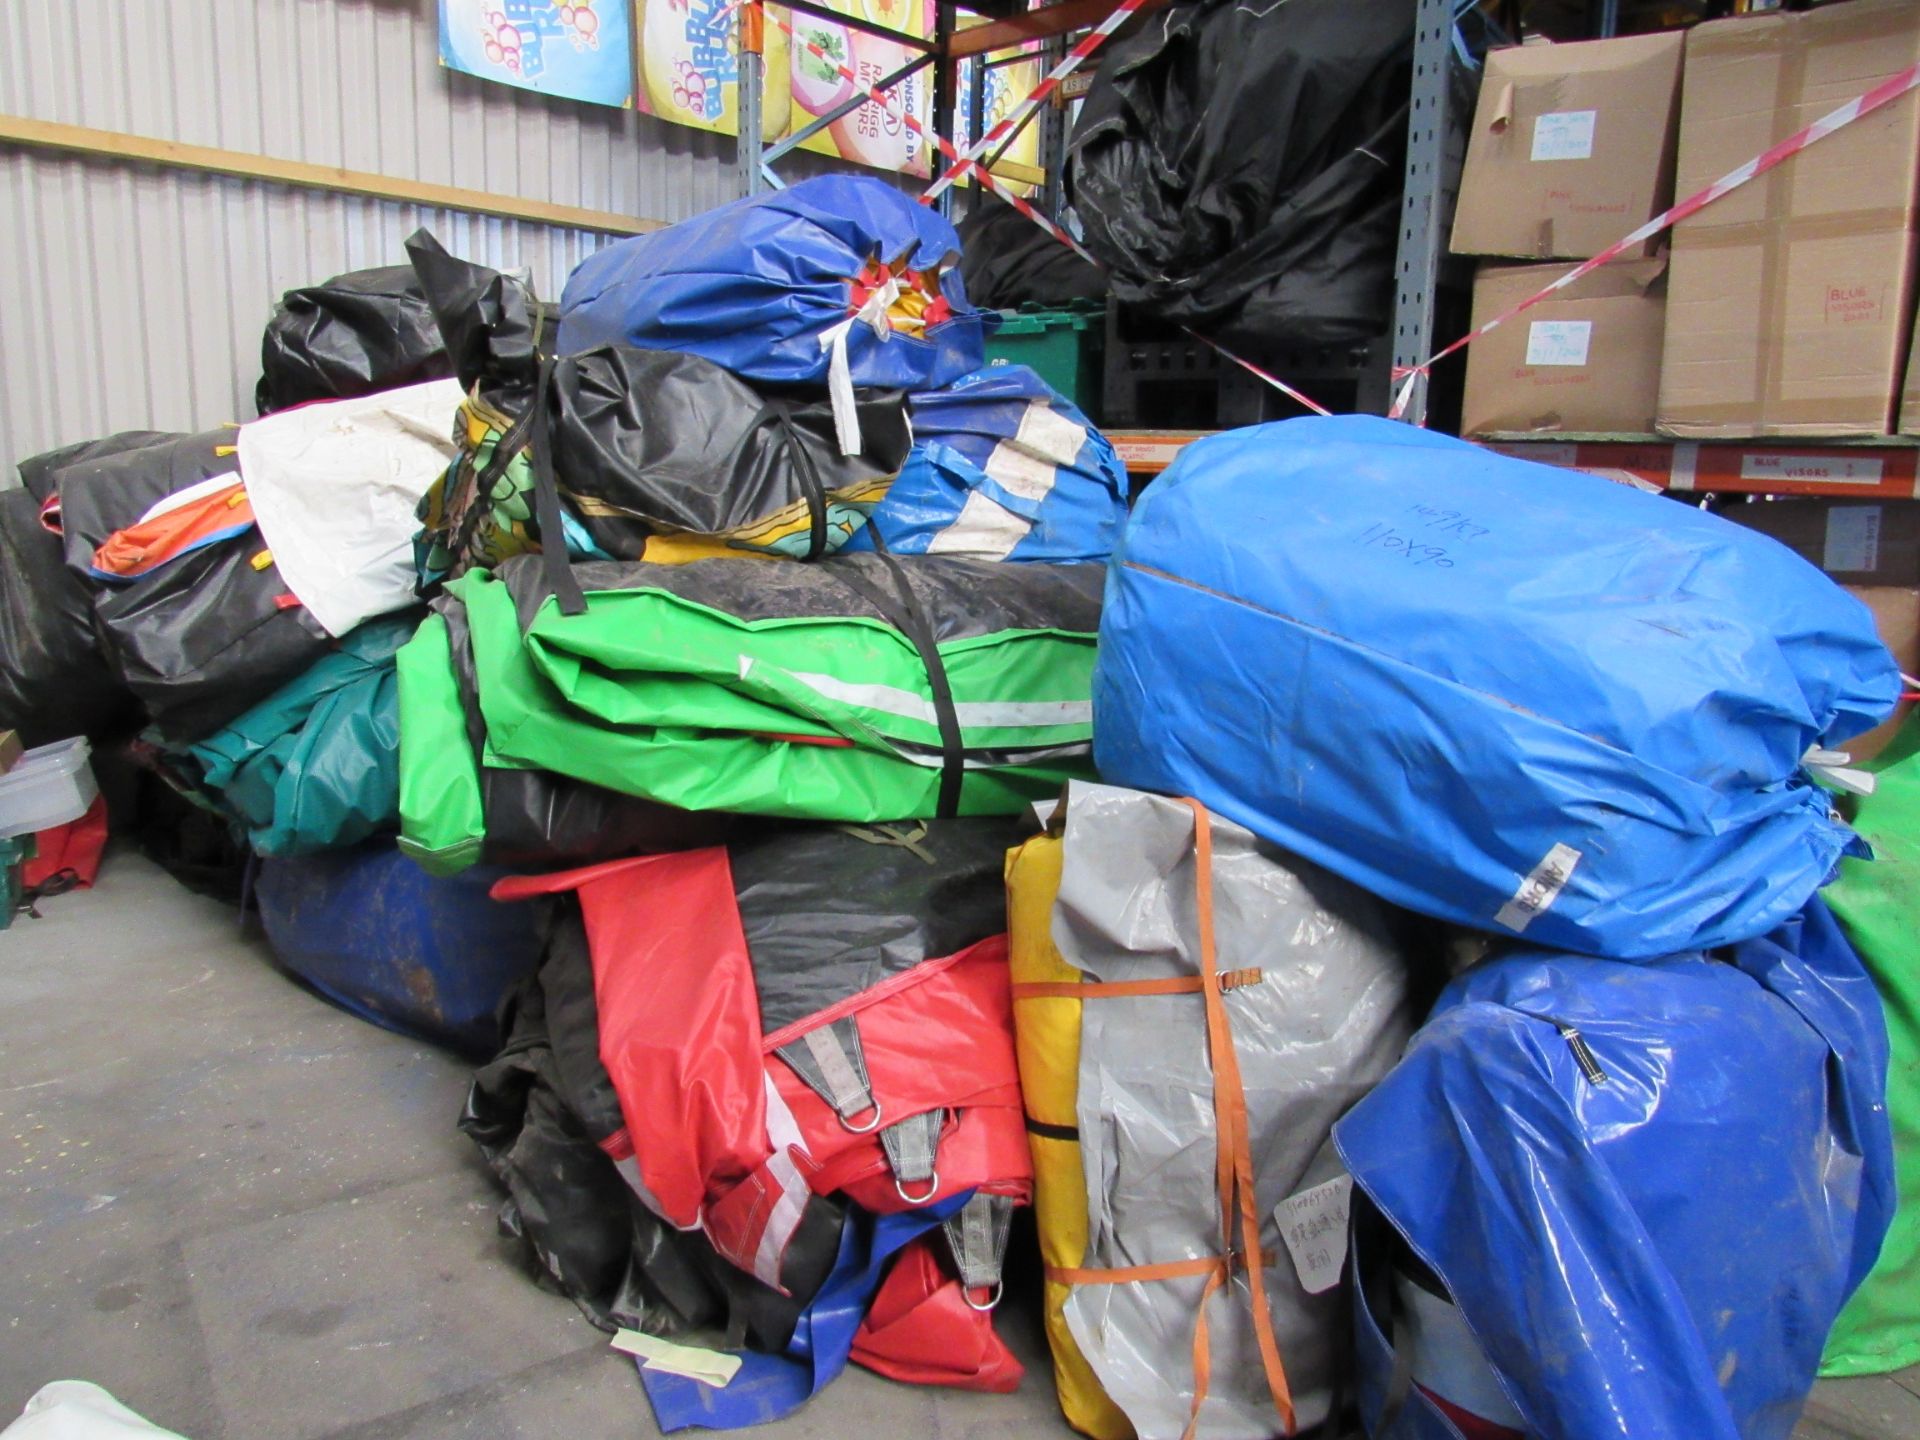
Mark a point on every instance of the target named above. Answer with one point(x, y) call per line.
point(1564, 135)
point(1559, 342)
point(1314, 1225)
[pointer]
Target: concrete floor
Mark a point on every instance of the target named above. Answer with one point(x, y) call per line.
point(249, 1216)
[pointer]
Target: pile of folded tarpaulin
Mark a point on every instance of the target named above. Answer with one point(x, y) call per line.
point(1366, 903)
point(728, 618)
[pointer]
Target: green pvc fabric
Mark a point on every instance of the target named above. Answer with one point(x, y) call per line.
point(1878, 902)
point(316, 764)
point(759, 687)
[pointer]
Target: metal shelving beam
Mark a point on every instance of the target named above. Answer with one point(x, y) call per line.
point(1430, 129)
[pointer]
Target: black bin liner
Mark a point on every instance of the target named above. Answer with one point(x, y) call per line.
point(106, 489)
point(206, 637)
point(1008, 261)
point(1238, 167)
point(538, 1111)
point(357, 333)
point(54, 682)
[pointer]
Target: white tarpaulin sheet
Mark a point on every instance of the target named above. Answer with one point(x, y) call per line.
point(334, 487)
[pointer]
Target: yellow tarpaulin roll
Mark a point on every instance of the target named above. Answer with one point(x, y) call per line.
point(1047, 1041)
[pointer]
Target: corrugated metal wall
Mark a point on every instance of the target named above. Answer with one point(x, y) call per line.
point(133, 297)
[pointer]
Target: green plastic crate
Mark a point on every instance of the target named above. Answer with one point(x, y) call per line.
point(13, 855)
point(1063, 345)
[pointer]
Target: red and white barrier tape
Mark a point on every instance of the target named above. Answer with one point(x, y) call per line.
point(1070, 62)
point(913, 123)
point(1884, 93)
point(992, 182)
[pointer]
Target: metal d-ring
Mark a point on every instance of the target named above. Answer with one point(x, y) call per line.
point(933, 1189)
point(999, 1289)
point(868, 1129)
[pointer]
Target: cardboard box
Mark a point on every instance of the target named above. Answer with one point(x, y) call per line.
point(1572, 146)
point(1858, 542)
point(1910, 393)
point(1789, 299)
point(1586, 361)
point(1897, 614)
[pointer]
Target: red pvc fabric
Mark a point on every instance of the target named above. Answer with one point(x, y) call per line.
point(720, 1133)
point(921, 1330)
point(173, 529)
point(679, 1029)
point(75, 846)
point(937, 1037)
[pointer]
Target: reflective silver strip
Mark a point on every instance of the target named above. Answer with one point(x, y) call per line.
point(986, 714)
point(629, 1169)
point(784, 1134)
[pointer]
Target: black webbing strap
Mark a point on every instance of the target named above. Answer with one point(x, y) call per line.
point(511, 442)
point(546, 502)
point(810, 485)
point(904, 612)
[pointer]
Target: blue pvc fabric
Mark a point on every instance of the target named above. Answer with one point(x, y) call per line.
point(1658, 1252)
point(375, 934)
point(771, 1387)
point(754, 285)
point(1003, 468)
point(1509, 695)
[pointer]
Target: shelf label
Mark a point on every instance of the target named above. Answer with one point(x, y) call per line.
point(1558, 342)
point(1148, 452)
point(1564, 135)
point(1853, 539)
point(1811, 469)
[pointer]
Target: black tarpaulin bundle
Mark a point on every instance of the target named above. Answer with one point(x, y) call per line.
point(638, 451)
point(363, 331)
point(207, 631)
point(1237, 167)
point(54, 683)
point(1008, 261)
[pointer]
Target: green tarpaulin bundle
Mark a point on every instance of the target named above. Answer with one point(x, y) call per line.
point(1878, 902)
point(861, 688)
point(316, 764)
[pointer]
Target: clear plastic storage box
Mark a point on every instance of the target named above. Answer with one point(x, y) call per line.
point(49, 786)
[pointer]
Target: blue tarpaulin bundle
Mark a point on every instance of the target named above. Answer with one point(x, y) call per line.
point(1647, 1188)
point(1003, 468)
point(1505, 694)
point(759, 285)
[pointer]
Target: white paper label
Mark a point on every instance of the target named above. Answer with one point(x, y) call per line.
point(1853, 539)
point(1564, 135)
point(1558, 342)
point(1314, 1225)
point(1818, 469)
point(1540, 889)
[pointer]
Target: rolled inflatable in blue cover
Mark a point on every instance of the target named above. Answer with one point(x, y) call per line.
point(1648, 1189)
point(1509, 695)
point(763, 285)
point(1003, 468)
point(374, 933)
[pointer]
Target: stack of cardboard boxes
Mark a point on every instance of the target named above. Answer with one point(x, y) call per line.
point(1572, 147)
point(1784, 309)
